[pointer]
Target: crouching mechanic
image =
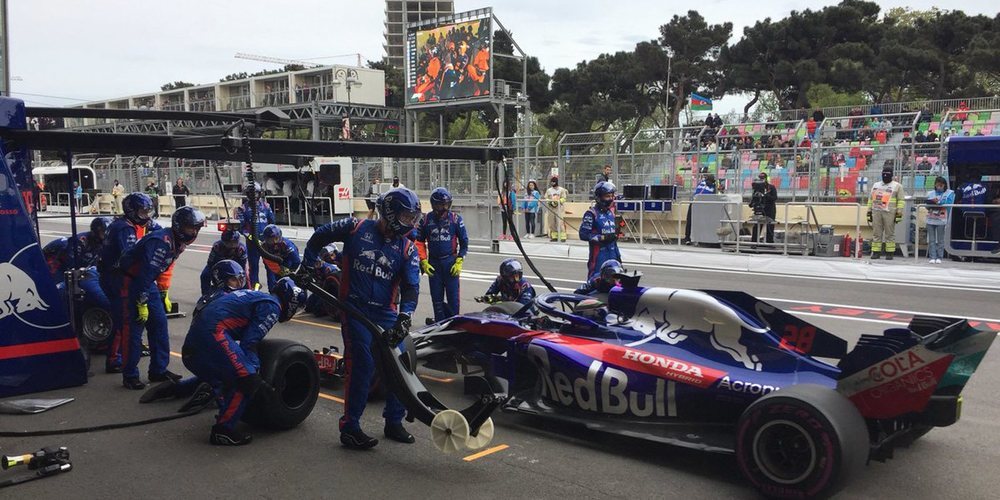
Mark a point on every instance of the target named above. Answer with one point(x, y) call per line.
point(605, 280)
point(228, 247)
point(146, 270)
point(600, 230)
point(379, 264)
point(442, 243)
point(511, 286)
point(277, 245)
point(123, 233)
point(221, 346)
point(88, 249)
point(327, 272)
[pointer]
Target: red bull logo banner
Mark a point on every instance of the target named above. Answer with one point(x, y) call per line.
point(38, 349)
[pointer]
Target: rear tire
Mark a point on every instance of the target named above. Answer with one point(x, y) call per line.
point(290, 368)
point(803, 441)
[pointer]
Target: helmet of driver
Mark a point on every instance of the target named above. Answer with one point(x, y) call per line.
point(440, 200)
point(290, 298)
point(609, 269)
point(329, 253)
point(228, 275)
point(99, 228)
point(185, 223)
point(231, 236)
point(604, 194)
point(137, 207)
point(400, 208)
point(511, 270)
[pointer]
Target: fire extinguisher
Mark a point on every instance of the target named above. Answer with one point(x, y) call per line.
point(846, 250)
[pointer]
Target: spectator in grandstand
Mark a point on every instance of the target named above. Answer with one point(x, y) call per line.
point(811, 127)
point(925, 114)
point(906, 138)
point(876, 109)
point(932, 137)
point(818, 115)
point(180, 192)
point(925, 164)
point(962, 111)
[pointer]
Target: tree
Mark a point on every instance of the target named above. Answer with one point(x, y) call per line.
point(696, 47)
point(175, 85)
point(394, 85)
point(822, 95)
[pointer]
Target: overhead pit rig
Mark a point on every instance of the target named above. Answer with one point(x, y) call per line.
point(40, 351)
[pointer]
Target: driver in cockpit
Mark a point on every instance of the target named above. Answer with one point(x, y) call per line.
point(604, 281)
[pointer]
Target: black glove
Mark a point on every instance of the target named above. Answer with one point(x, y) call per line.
point(399, 330)
point(250, 384)
point(607, 238)
point(869, 217)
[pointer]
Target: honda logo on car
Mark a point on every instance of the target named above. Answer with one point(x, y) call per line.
point(679, 368)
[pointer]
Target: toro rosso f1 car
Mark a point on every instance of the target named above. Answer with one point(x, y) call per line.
point(719, 371)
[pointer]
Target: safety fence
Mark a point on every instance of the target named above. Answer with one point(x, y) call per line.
point(975, 225)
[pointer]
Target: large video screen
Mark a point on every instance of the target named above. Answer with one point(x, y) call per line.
point(448, 62)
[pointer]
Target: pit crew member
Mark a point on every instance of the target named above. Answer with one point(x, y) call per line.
point(604, 281)
point(265, 216)
point(277, 245)
point(442, 243)
point(600, 230)
point(511, 286)
point(228, 247)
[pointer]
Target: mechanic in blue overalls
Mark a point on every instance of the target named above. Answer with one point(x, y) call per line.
point(511, 286)
point(89, 246)
point(278, 246)
point(123, 233)
point(600, 230)
point(228, 247)
point(605, 280)
point(442, 243)
point(265, 216)
point(146, 270)
point(221, 346)
point(327, 272)
point(379, 264)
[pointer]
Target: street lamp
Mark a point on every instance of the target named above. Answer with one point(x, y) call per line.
point(349, 78)
point(666, 85)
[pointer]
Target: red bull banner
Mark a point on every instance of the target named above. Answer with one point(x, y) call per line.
point(38, 349)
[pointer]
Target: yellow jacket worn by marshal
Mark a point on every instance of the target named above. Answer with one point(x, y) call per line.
point(886, 197)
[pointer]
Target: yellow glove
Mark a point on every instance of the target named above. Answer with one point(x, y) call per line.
point(142, 310)
point(899, 215)
point(166, 300)
point(256, 287)
point(426, 268)
point(457, 268)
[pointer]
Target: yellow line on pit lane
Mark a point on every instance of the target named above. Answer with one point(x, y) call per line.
point(487, 451)
point(321, 325)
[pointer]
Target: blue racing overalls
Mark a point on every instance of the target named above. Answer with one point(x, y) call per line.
point(376, 269)
point(121, 236)
point(441, 240)
point(522, 291)
point(265, 216)
point(221, 345)
point(146, 270)
point(597, 227)
point(289, 255)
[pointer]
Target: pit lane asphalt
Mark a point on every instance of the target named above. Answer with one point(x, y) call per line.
point(542, 459)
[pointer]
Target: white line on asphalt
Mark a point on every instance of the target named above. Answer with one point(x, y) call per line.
point(847, 306)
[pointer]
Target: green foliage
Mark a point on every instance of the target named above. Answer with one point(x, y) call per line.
point(822, 95)
point(175, 85)
point(243, 74)
point(394, 85)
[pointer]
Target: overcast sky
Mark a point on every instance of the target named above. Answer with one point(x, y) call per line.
point(89, 50)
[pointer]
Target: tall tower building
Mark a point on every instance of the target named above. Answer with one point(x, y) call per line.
point(400, 12)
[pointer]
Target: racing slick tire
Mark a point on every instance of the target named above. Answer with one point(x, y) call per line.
point(508, 308)
point(291, 370)
point(95, 328)
point(801, 442)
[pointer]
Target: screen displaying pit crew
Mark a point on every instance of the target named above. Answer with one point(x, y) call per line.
point(449, 62)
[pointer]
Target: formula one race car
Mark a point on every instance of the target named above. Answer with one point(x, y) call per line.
point(719, 371)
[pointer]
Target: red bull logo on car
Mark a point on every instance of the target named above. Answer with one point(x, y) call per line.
point(18, 292)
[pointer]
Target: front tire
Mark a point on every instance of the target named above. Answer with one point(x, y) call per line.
point(803, 441)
